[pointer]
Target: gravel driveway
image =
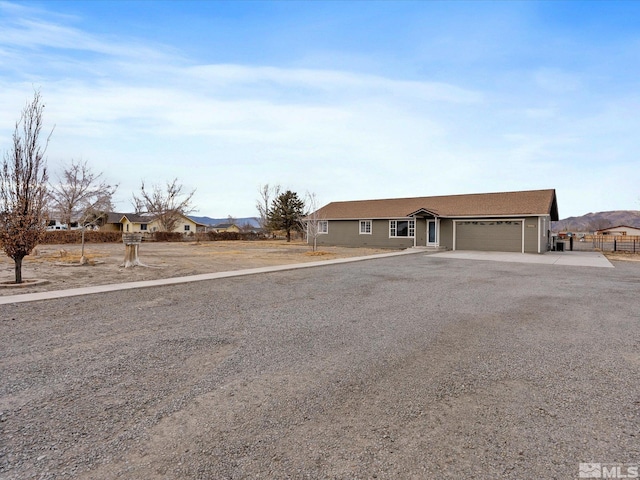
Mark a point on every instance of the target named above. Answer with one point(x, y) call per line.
point(404, 367)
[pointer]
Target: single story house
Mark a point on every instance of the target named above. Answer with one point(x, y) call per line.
point(136, 223)
point(225, 227)
point(619, 230)
point(507, 221)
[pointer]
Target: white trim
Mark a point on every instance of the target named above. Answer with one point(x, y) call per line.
point(507, 216)
point(370, 232)
point(437, 240)
point(452, 217)
point(409, 219)
point(539, 237)
point(455, 228)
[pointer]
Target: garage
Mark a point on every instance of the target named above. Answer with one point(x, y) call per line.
point(488, 235)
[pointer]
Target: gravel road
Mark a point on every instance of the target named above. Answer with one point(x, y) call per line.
point(406, 367)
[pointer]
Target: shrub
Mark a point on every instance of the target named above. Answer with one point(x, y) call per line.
point(220, 236)
point(167, 237)
point(57, 237)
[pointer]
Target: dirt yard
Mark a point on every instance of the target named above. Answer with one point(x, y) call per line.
point(60, 265)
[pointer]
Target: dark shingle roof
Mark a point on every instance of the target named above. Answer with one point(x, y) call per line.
point(115, 217)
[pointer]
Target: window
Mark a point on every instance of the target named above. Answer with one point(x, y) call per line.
point(365, 227)
point(323, 226)
point(402, 228)
point(143, 227)
point(187, 228)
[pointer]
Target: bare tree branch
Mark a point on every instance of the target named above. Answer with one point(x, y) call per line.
point(23, 187)
point(80, 194)
point(165, 205)
point(267, 193)
point(312, 223)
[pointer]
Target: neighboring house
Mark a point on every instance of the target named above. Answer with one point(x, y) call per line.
point(225, 227)
point(508, 221)
point(135, 223)
point(619, 230)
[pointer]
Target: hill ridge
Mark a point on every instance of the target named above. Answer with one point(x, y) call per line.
point(598, 220)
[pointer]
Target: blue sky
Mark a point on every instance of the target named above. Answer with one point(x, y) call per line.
point(349, 100)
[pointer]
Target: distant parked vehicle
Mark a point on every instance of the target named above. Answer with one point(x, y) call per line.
point(55, 225)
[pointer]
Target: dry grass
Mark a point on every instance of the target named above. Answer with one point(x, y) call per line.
point(64, 256)
point(623, 256)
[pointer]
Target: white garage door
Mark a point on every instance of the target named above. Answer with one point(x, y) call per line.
point(489, 235)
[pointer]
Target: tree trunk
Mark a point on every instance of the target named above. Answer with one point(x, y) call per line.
point(18, 268)
point(131, 256)
point(83, 259)
point(288, 235)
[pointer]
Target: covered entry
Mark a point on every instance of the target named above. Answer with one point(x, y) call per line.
point(489, 235)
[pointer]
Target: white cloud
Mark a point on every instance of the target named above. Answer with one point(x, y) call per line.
point(136, 110)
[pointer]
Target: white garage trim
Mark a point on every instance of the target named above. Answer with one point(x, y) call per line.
point(510, 219)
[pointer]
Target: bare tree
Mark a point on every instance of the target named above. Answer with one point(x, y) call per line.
point(23, 187)
point(165, 205)
point(81, 196)
point(267, 193)
point(313, 223)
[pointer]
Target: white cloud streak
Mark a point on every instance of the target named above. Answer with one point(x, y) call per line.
point(137, 110)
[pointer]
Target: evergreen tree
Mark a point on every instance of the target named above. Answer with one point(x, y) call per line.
point(285, 213)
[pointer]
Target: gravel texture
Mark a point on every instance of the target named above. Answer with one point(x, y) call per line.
point(405, 367)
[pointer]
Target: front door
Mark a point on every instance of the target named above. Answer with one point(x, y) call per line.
point(432, 234)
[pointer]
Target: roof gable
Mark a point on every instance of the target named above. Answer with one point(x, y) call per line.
point(530, 202)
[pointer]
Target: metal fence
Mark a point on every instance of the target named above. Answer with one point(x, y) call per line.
point(603, 243)
point(617, 243)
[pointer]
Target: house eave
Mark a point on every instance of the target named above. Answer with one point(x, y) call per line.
point(412, 215)
point(506, 215)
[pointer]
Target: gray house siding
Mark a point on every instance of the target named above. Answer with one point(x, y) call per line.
point(544, 233)
point(347, 233)
point(446, 233)
point(421, 232)
point(531, 235)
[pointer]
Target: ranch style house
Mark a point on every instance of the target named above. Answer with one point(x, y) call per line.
point(505, 221)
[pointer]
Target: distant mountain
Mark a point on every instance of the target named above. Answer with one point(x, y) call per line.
point(596, 221)
point(240, 222)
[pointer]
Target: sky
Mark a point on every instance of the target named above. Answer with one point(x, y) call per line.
point(348, 100)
